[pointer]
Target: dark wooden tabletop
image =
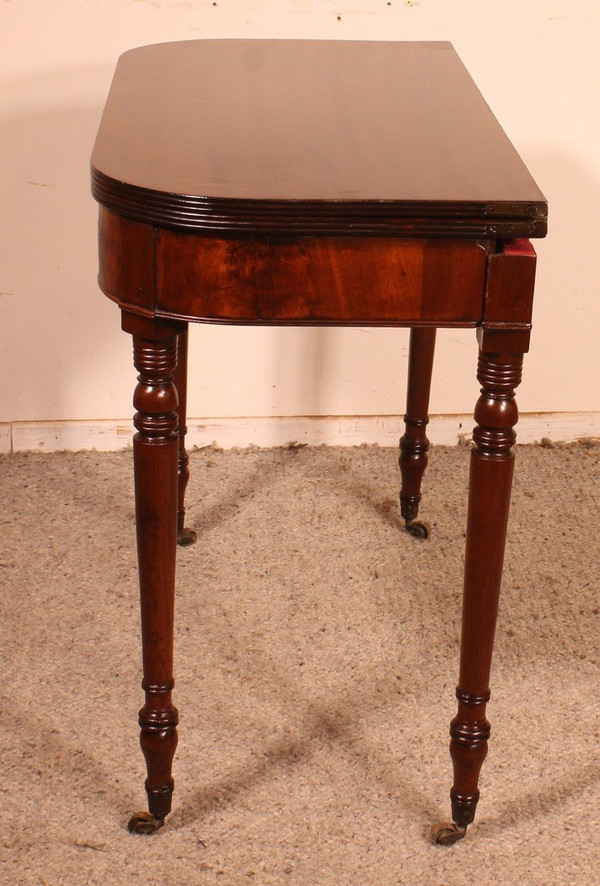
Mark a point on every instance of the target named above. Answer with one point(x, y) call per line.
point(309, 136)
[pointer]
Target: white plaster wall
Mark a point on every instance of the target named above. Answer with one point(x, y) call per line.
point(63, 356)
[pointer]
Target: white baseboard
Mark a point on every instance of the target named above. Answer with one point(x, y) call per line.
point(384, 430)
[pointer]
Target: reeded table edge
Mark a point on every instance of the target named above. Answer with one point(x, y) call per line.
point(213, 215)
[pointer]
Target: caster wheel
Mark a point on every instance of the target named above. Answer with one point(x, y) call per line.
point(446, 833)
point(144, 823)
point(186, 537)
point(419, 529)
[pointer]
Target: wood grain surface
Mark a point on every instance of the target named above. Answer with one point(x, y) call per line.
point(330, 136)
point(315, 280)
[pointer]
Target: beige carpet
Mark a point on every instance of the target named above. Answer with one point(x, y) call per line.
point(316, 659)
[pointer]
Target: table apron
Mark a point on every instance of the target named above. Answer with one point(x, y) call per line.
point(298, 281)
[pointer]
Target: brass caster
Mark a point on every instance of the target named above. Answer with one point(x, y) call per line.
point(446, 833)
point(418, 529)
point(186, 537)
point(144, 823)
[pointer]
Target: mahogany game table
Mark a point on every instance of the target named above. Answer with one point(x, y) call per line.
point(309, 183)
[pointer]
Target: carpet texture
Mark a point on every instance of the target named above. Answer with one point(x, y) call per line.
point(316, 660)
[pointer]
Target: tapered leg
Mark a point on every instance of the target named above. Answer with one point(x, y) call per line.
point(155, 449)
point(492, 461)
point(414, 443)
point(185, 536)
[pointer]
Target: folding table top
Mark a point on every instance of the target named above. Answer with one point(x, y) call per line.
point(309, 137)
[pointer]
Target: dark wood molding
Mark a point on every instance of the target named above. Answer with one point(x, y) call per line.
point(408, 218)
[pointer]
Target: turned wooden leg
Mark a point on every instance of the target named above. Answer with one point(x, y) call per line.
point(492, 461)
point(414, 443)
point(155, 449)
point(185, 536)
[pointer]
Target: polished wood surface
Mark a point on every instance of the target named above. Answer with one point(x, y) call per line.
point(309, 136)
point(492, 462)
point(185, 535)
point(414, 443)
point(312, 280)
point(297, 183)
point(155, 448)
point(301, 281)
